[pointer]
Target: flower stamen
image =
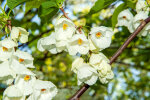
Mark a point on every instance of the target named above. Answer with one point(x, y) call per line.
point(21, 60)
point(65, 26)
point(98, 34)
point(42, 90)
point(80, 41)
point(124, 17)
point(5, 49)
point(27, 77)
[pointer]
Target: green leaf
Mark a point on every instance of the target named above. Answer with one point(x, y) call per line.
point(99, 5)
point(13, 3)
point(47, 18)
point(116, 13)
point(33, 4)
point(131, 3)
point(47, 8)
point(59, 2)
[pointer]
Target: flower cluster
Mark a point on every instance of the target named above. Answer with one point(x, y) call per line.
point(14, 71)
point(126, 18)
point(74, 41)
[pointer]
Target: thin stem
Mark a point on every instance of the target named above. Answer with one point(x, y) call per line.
point(77, 95)
point(9, 24)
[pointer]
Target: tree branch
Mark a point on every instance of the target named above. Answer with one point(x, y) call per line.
point(77, 95)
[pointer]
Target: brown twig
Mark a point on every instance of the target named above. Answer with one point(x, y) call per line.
point(9, 24)
point(77, 95)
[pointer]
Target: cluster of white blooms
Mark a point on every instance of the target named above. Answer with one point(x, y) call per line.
point(67, 38)
point(126, 18)
point(88, 73)
point(14, 64)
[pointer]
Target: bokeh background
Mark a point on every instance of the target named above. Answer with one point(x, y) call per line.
point(131, 69)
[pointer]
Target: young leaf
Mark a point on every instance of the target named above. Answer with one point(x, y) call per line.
point(33, 4)
point(99, 5)
point(47, 8)
point(116, 13)
point(13, 3)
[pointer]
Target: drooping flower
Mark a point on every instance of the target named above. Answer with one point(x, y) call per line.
point(13, 93)
point(43, 90)
point(141, 16)
point(48, 43)
point(125, 18)
point(101, 63)
point(78, 44)
point(91, 45)
point(6, 48)
point(105, 73)
point(87, 74)
point(6, 73)
point(101, 36)
point(96, 59)
point(25, 81)
point(18, 33)
point(23, 58)
point(142, 5)
point(64, 29)
point(77, 64)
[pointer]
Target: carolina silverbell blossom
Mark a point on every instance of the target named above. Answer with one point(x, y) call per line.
point(48, 43)
point(105, 74)
point(18, 33)
point(23, 58)
point(64, 30)
point(25, 81)
point(101, 63)
point(6, 48)
point(43, 90)
point(87, 74)
point(78, 44)
point(142, 5)
point(101, 36)
point(137, 21)
point(76, 64)
point(13, 93)
point(125, 18)
point(6, 73)
point(96, 59)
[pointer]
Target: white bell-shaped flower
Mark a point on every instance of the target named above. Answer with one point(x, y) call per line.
point(142, 5)
point(23, 58)
point(137, 21)
point(96, 59)
point(6, 48)
point(6, 73)
point(64, 29)
point(18, 33)
point(105, 73)
point(62, 45)
point(91, 45)
point(78, 44)
point(25, 81)
point(101, 36)
point(43, 90)
point(87, 74)
point(48, 43)
point(77, 64)
point(13, 93)
point(124, 18)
